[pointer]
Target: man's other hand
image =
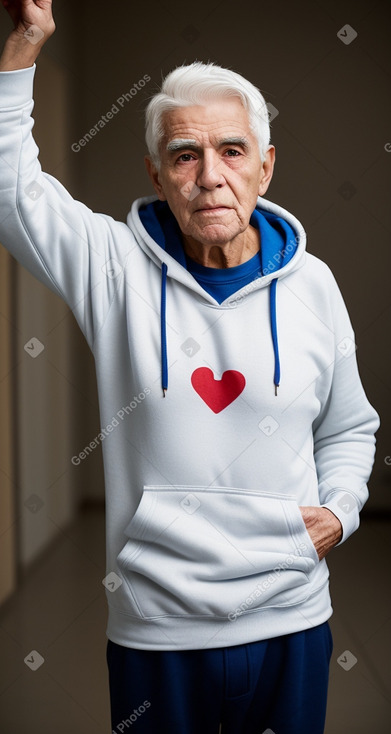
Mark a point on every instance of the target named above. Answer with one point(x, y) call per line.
point(324, 528)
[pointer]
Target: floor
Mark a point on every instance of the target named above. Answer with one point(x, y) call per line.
point(60, 613)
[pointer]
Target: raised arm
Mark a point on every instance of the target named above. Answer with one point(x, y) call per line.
point(33, 25)
point(58, 239)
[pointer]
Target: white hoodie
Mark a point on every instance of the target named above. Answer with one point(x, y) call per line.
point(206, 545)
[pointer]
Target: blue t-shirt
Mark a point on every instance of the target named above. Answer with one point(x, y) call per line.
point(223, 282)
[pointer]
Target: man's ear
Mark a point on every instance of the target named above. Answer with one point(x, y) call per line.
point(267, 170)
point(153, 174)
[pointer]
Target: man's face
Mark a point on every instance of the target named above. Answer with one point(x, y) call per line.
point(211, 171)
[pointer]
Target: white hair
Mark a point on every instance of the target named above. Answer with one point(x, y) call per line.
point(196, 84)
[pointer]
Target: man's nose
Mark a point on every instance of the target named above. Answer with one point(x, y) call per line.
point(209, 174)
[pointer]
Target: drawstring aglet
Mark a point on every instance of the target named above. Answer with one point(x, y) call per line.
point(275, 389)
point(164, 391)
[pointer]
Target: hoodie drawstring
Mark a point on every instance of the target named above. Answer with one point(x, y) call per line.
point(273, 325)
point(163, 332)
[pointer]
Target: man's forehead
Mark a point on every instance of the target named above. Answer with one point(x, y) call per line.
point(227, 118)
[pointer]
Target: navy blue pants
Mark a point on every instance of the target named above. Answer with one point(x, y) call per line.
point(277, 686)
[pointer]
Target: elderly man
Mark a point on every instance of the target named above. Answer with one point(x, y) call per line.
point(238, 437)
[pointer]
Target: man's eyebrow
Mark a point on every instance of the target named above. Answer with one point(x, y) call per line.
point(189, 143)
point(180, 143)
point(234, 140)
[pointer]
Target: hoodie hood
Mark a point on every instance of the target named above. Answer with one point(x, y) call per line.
point(283, 244)
point(151, 239)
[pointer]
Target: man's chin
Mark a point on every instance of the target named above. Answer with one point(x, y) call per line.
point(213, 234)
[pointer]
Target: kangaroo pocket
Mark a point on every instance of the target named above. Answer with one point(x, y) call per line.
point(217, 551)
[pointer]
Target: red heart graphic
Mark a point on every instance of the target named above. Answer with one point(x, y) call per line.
point(217, 394)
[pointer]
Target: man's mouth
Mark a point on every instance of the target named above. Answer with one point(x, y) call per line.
point(216, 208)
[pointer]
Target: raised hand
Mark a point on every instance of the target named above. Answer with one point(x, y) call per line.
point(33, 25)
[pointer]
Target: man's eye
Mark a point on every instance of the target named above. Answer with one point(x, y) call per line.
point(232, 152)
point(185, 157)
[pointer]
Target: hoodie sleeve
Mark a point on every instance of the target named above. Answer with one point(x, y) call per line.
point(58, 240)
point(344, 440)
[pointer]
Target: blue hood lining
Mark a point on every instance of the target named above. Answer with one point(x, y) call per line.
point(278, 246)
